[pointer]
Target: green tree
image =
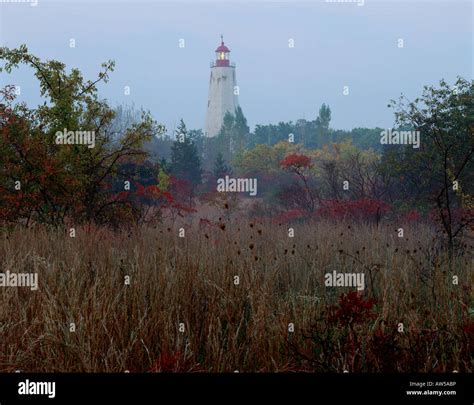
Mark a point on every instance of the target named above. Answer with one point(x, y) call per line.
point(322, 126)
point(272, 134)
point(185, 161)
point(198, 139)
point(220, 167)
point(240, 132)
point(444, 162)
point(264, 158)
point(66, 180)
point(324, 117)
point(224, 138)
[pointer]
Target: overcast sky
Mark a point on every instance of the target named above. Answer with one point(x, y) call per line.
point(335, 45)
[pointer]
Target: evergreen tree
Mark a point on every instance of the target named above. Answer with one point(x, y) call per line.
point(322, 126)
point(220, 167)
point(197, 138)
point(324, 117)
point(225, 136)
point(240, 131)
point(185, 161)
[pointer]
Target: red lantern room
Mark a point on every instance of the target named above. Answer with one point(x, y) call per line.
point(222, 54)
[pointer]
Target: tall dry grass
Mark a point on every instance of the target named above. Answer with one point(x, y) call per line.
point(190, 280)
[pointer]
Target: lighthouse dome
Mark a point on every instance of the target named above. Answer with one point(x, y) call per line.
point(222, 48)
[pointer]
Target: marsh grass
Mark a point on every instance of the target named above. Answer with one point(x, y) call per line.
point(190, 280)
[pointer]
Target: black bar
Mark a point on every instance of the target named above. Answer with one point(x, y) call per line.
point(242, 387)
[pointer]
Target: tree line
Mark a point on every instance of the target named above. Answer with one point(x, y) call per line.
point(136, 169)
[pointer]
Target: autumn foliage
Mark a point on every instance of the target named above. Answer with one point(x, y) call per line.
point(296, 162)
point(351, 309)
point(43, 181)
point(362, 209)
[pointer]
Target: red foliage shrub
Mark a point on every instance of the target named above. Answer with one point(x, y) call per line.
point(361, 209)
point(294, 214)
point(293, 196)
point(412, 216)
point(169, 363)
point(181, 188)
point(296, 161)
point(458, 216)
point(352, 308)
point(384, 353)
point(469, 331)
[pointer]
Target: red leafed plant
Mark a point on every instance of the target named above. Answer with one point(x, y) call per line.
point(469, 329)
point(352, 308)
point(384, 353)
point(289, 216)
point(411, 216)
point(296, 161)
point(360, 209)
point(300, 165)
point(174, 362)
point(459, 216)
point(167, 363)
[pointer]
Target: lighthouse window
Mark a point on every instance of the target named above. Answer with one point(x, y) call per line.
point(222, 55)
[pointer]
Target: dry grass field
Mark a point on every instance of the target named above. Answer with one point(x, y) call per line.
point(190, 280)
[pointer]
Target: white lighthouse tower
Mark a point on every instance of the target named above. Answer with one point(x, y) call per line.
point(222, 91)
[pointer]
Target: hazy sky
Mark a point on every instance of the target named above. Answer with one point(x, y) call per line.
point(336, 45)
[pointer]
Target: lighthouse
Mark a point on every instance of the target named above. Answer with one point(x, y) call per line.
point(222, 91)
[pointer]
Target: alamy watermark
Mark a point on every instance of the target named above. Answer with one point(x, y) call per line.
point(28, 387)
point(336, 279)
point(8, 279)
point(242, 185)
point(389, 137)
point(66, 137)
